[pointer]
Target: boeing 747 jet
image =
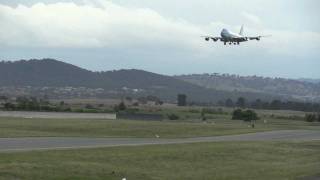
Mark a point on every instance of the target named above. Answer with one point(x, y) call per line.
point(233, 38)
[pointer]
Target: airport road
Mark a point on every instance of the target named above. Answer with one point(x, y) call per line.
point(47, 143)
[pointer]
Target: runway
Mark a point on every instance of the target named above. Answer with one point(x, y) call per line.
point(50, 143)
point(57, 115)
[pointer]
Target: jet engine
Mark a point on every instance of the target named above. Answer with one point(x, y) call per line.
point(215, 39)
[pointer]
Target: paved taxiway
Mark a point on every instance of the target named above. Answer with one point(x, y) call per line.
point(47, 143)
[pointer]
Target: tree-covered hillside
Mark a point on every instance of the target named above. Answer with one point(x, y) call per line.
point(53, 73)
point(278, 86)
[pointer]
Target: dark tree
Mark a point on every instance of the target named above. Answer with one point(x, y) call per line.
point(122, 106)
point(229, 103)
point(241, 102)
point(9, 106)
point(246, 115)
point(276, 104)
point(4, 98)
point(203, 114)
point(142, 100)
point(173, 117)
point(257, 104)
point(89, 106)
point(310, 117)
point(237, 114)
point(129, 99)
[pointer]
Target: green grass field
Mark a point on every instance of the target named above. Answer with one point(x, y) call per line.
point(223, 160)
point(20, 127)
point(205, 161)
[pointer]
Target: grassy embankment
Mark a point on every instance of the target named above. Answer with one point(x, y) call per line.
point(20, 127)
point(223, 160)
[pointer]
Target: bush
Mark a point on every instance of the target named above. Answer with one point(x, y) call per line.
point(213, 111)
point(249, 115)
point(209, 111)
point(237, 114)
point(132, 110)
point(173, 117)
point(9, 106)
point(68, 109)
point(311, 117)
point(246, 115)
point(120, 107)
point(89, 106)
point(90, 111)
point(77, 110)
point(194, 111)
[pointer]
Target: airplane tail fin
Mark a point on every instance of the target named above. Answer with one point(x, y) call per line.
point(241, 30)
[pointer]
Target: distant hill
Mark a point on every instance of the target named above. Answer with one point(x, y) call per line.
point(46, 72)
point(136, 83)
point(303, 90)
point(315, 81)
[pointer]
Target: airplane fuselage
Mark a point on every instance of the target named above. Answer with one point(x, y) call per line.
point(228, 36)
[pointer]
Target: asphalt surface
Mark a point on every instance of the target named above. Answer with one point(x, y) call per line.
point(47, 143)
point(57, 115)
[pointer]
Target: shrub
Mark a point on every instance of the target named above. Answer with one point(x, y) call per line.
point(120, 107)
point(237, 114)
point(249, 115)
point(209, 111)
point(173, 116)
point(132, 110)
point(213, 111)
point(9, 106)
point(194, 111)
point(246, 115)
point(68, 109)
point(90, 111)
point(78, 110)
point(89, 106)
point(311, 117)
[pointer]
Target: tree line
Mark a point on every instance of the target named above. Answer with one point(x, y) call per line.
point(272, 105)
point(23, 103)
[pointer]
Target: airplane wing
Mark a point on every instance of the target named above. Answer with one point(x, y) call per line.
point(208, 38)
point(258, 38)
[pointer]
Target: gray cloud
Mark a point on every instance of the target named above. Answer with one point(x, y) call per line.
point(136, 34)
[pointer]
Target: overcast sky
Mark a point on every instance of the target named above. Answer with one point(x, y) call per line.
point(163, 36)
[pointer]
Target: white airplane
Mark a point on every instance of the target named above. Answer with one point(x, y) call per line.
point(233, 38)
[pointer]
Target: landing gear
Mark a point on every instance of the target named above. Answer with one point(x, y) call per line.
point(231, 43)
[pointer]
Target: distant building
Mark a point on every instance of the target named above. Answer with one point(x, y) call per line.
point(182, 100)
